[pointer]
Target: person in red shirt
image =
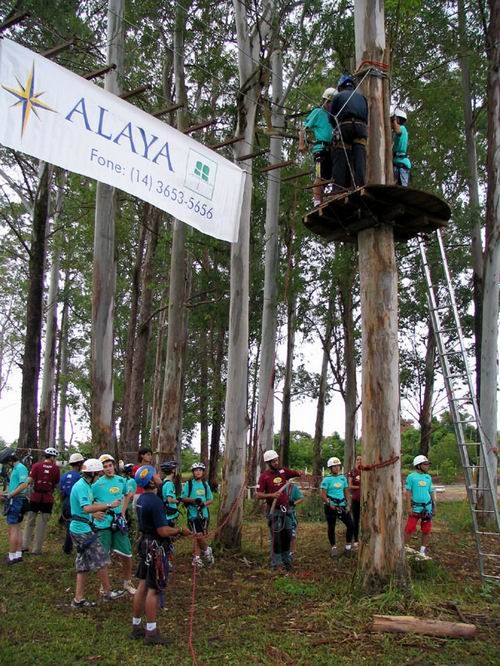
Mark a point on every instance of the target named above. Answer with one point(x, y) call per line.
point(44, 477)
point(273, 487)
point(354, 477)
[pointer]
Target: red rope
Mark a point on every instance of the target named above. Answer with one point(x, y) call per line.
point(191, 619)
point(373, 63)
point(379, 465)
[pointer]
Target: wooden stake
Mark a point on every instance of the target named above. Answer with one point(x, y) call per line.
point(136, 91)
point(272, 167)
point(251, 155)
point(17, 18)
point(194, 128)
point(56, 50)
point(228, 142)
point(403, 624)
point(98, 72)
point(168, 109)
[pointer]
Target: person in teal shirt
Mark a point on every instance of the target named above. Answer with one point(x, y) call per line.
point(296, 497)
point(420, 501)
point(16, 503)
point(197, 496)
point(90, 554)
point(400, 141)
point(113, 529)
point(334, 491)
point(168, 493)
point(318, 122)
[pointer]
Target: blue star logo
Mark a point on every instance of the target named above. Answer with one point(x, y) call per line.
point(28, 99)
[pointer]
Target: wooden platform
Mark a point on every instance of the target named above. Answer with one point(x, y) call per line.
point(409, 211)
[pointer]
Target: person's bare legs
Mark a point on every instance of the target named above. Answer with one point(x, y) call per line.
point(81, 578)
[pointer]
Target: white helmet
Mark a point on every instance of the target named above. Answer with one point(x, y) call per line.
point(418, 460)
point(92, 465)
point(332, 462)
point(76, 458)
point(329, 94)
point(50, 451)
point(106, 457)
point(198, 465)
point(399, 113)
point(270, 455)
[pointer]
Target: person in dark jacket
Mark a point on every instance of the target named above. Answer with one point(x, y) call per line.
point(349, 117)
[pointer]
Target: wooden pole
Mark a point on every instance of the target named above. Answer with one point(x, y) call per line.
point(381, 555)
point(403, 624)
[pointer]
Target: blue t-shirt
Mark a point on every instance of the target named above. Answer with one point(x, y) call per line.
point(150, 513)
point(319, 122)
point(420, 486)
point(67, 482)
point(168, 490)
point(18, 475)
point(81, 495)
point(106, 490)
point(400, 148)
point(199, 489)
point(334, 486)
point(131, 485)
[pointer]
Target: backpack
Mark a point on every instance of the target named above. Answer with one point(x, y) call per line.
point(44, 485)
point(190, 487)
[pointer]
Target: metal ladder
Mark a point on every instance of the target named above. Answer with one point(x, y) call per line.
point(461, 393)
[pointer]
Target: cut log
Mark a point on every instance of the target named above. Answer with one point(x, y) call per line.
point(402, 624)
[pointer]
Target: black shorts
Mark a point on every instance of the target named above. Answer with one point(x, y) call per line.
point(198, 525)
point(40, 507)
point(323, 164)
point(152, 567)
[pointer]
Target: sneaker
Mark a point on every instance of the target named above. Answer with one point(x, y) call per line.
point(112, 595)
point(137, 632)
point(208, 556)
point(154, 638)
point(197, 562)
point(129, 587)
point(9, 562)
point(334, 552)
point(316, 202)
point(83, 603)
point(355, 545)
point(347, 552)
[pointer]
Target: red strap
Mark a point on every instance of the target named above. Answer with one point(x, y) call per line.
point(384, 463)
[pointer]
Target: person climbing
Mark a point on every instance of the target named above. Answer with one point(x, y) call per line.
point(349, 118)
point(197, 496)
point(296, 497)
point(318, 122)
point(113, 529)
point(420, 501)
point(16, 502)
point(44, 477)
point(334, 493)
point(90, 555)
point(152, 570)
point(273, 487)
point(66, 483)
point(400, 141)
point(354, 477)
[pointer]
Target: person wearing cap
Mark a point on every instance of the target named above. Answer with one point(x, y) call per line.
point(400, 140)
point(420, 501)
point(274, 487)
point(90, 554)
point(318, 122)
point(44, 477)
point(349, 118)
point(197, 496)
point(66, 483)
point(112, 528)
point(153, 546)
point(16, 501)
point(334, 491)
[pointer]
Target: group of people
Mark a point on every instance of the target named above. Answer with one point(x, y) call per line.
point(339, 134)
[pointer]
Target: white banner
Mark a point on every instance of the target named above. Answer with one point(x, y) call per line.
point(55, 115)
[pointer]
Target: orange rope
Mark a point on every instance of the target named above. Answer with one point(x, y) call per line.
point(379, 465)
point(384, 67)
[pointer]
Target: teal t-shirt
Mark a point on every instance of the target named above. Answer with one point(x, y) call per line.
point(106, 490)
point(18, 475)
point(319, 122)
point(420, 487)
point(168, 490)
point(81, 495)
point(334, 486)
point(197, 490)
point(295, 493)
point(400, 148)
point(131, 486)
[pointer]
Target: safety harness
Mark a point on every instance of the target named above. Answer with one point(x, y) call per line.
point(156, 556)
point(337, 505)
point(425, 515)
point(82, 547)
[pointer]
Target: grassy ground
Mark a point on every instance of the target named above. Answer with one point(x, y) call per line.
point(245, 614)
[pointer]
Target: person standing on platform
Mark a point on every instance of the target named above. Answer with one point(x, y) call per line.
point(354, 477)
point(400, 141)
point(318, 122)
point(349, 118)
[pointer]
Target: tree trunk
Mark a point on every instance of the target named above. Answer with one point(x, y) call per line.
point(104, 268)
point(180, 272)
point(203, 396)
point(63, 371)
point(473, 187)
point(28, 432)
point(381, 554)
point(236, 427)
point(265, 412)
point(489, 346)
point(47, 399)
point(402, 624)
point(323, 382)
point(158, 377)
point(217, 409)
point(425, 416)
point(351, 384)
point(290, 346)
